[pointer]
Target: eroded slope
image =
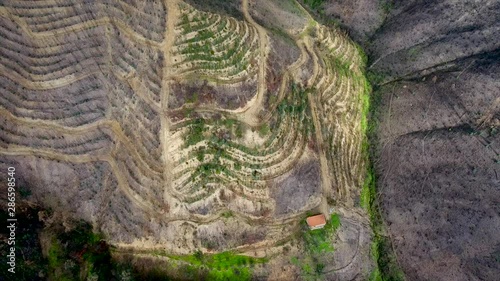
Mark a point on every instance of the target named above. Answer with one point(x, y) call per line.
point(177, 129)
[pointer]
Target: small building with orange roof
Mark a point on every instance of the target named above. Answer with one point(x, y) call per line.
point(316, 222)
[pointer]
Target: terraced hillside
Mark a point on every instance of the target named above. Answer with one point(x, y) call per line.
point(176, 129)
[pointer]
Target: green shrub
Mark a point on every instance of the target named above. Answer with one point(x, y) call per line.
point(314, 4)
point(264, 130)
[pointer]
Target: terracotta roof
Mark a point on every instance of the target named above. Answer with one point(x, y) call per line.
point(316, 220)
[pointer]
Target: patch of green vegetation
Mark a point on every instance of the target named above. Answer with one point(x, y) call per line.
point(187, 112)
point(290, 6)
point(232, 125)
point(366, 195)
point(24, 191)
point(239, 131)
point(386, 6)
point(362, 54)
point(79, 252)
point(296, 103)
point(376, 78)
point(375, 275)
point(229, 123)
point(414, 52)
point(309, 30)
point(217, 149)
point(342, 67)
point(319, 268)
point(314, 4)
point(192, 98)
point(222, 266)
point(227, 214)
point(216, 54)
point(237, 166)
point(316, 8)
point(57, 257)
point(208, 168)
point(388, 269)
point(264, 130)
point(195, 133)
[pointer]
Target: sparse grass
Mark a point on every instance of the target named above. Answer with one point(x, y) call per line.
point(227, 214)
point(221, 266)
point(362, 54)
point(56, 261)
point(264, 130)
point(291, 6)
point(24, 192)
point(343, 68)
point(386, 6)
point(309, 30)
point(366, 191)
point(314, 4)
point(239, 130)
point(195, 134)
point(375, 78)
point(375, 275)
point(388, 270)
point(414, 52)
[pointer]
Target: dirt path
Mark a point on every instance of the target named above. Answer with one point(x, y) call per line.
point(169, 40)
point(316, 68)
point(325, 174)
point(313, 100)
point(251, 115)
